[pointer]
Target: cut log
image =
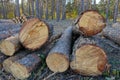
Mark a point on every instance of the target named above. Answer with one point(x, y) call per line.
point(34, 33)
point(21, 68)
point(87, 58)
point(91, 22)
point(10, 45)
point(58, 58)
point(113, 33)
point(6, 21)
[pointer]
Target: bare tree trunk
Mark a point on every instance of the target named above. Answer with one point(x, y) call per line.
point(3, 9)
point(52, 8)
point(107, 10)
point(32, 3)
point(22, 5)
point(41, 8)
point(46, 13)
point(94, 4)
point(17, 10)
point(57, 10)
point(29, 8)
point(37, 9)
point(63, 9)
point(115, 11)
point(82, 5)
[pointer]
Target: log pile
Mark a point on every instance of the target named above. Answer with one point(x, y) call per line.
point(78, 47)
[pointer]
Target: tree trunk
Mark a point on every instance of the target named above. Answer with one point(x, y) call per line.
point(34, 33)
point(46, 14)
point(88, 58)
point(22, 64)
point(37, 9)
point(4, 10)
point(52, 8)
point(115, 10)
point(63, 9)
point(22, 5)
point(58, 58)
point(94, 4)
point(32, 3)
point(107, 10)
point(10, 45)
point(82, 5)
point(17, 8)
point(112, 33)
point(57, 10)
point(92, 24)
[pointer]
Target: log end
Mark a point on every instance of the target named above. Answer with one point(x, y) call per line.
point(91, 23)
point(34, 34)
point(7, 47)
point(57, 62)
point(19, 71)
point(89, 60)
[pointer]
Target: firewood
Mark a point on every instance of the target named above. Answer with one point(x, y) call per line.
point(112, 33)
point(2, 58)
point(34, 34)
point(90, 23)
point(58, 58)
point(88, 58)
point(21, 66)
point(10, 45)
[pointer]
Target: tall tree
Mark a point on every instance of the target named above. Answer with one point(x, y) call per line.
point(22, 6)
point(94, 4)
point(57, 10)
point(41, 8)
point(52, 9)
point(32, 3)
point(82, 5)
point(107, 10)
point(63, 9)
point(37, 8)
point(115, 11)
point(46, 13)
point(4, 9)
point(17, 8)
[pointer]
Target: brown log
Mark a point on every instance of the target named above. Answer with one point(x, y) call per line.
point(113, 33)
point(90, 23)
point(10, 45)
point(21, 66)
point(58, 58)
point(34, 33)
point(88, 58)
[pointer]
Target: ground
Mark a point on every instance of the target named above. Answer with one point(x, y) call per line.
point(44, 72)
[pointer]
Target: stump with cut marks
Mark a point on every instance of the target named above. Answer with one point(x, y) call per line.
point(10, 45)
point(34, 33)
point(91, 23)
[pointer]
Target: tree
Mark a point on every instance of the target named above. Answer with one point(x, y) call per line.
point(52, 9)
point(41, 8)
point(115, 10)
point(82, 5)
point(57, 10)
point(22, 6)
point(17, 8)
point(3, 9)
point(32, 3)
point(107, 9)
point(37, 8)
point(46, 13)
point(94, 4)
point(63, 9)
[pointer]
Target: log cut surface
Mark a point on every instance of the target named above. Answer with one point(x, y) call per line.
point(58, 58)
point(34, 33)
point(10, 45)
point(91, 23)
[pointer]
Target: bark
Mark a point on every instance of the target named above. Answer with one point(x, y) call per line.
point(115, 10)
point(10, 45)
point(22, 5)
point(93, 25)
point(52, 8)
point(25, 65)
point(59, 54)
point(4, 10)
point(34, 33)
point(17, 8)
point(87, 53)
point(46, 14)
point(57, 10)
point(37, 8)
point(32, 3)
point(112, 33)
point(107, 10)
point(2, 58)
point(63, 9)
point(82, 5)
point(41, 8)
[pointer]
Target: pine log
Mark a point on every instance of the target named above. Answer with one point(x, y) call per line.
point(90, 23)
point(21, 66)
point(88, 58)
point(6, 21)
point(34, 33)
point(58, 58)
point(112, 33)
point(10, 45)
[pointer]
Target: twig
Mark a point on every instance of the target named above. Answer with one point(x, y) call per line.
point(50, 75)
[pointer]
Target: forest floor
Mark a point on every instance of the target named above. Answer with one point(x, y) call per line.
point(44, 72)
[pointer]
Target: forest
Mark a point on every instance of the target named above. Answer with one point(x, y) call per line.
point(58, 9)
